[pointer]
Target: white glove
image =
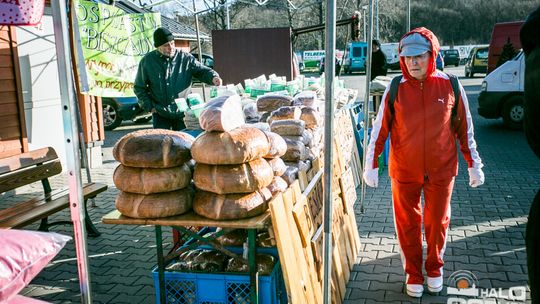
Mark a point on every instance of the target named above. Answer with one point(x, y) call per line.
point(371, 177)
point(476, 177)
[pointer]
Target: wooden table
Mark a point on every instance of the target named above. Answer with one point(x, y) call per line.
point(191, 219)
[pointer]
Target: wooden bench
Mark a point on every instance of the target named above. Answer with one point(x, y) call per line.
point(24, 169)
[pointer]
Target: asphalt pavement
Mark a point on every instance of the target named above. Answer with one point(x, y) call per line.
point(486, 236)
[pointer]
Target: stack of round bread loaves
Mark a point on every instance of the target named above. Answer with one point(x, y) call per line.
point(231, 174)
point(153, 176)
point(278, 148)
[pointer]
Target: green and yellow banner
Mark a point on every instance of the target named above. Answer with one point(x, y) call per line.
point(113, 42)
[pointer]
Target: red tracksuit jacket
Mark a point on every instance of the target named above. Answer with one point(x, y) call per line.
point(423, 136)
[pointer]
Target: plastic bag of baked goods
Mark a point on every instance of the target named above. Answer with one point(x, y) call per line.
point(285, 113)
point(271, 102)
point(293, 127)
point(265, 264)
point(235, 237)
point(222, 113)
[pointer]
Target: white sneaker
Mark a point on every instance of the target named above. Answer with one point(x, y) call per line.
point(435, 284)
point(415, 290)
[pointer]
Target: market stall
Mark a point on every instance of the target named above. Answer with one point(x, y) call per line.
point(264, 176)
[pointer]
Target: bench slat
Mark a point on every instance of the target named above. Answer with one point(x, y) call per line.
point(29, 175)
point(27, 159)
point(35, 209)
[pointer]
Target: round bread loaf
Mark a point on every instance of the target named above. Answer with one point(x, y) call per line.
point(278, 166)
point(278, 146)
point(153, 148)
point(229, 206)
point(311, 117)
point(225, 179)
point(237, 146)
point(155, 205)
point(277, 186)
point(151, 180)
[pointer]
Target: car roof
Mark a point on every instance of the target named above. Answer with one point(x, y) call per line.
point(481, 47)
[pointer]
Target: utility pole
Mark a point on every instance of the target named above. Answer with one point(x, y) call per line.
point(408, 16)
point(377, 16)
point(364, 9)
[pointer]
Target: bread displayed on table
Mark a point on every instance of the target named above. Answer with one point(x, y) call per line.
point(271, 102)
point(153, 175)
point(155, 205)
point(237, 146)
point(277, 186)
point(283, 113)
point(278, 165)
point(278, 146)
point(153, 148)
point(151, 180)
point(230, 206)
point(293, 127)
point(232, 174)
point(225, 179)
point(236, 168)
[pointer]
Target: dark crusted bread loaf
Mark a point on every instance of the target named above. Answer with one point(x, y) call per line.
point(155, 205)
point(151, 180)
point(230, 206)
point(225, 179)
point(153, 148)
point(237, 146)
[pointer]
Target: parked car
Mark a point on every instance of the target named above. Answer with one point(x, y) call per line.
point(118, 109)
point(501, 94)
point(440, 62)
point(207, 60)
point(321, 65)
point(477, 61)
point(451, 56)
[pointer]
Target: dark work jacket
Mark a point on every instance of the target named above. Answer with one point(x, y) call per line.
point(160, 79)
point(378, 64)
point(530, 41)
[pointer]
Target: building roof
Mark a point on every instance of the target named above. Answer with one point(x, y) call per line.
point(179, 30)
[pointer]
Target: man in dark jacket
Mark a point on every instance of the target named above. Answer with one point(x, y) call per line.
point(530, 40)
point(164, 75)
point(378, 60)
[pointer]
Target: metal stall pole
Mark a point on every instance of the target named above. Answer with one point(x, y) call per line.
point(330, 46)
point(71, 132)
point(366, 106)
point(199, 45)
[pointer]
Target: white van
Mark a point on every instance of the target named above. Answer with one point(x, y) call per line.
point(391, 52)
point(501, 94)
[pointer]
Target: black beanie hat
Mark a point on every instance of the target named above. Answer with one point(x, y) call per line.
point(162, 36)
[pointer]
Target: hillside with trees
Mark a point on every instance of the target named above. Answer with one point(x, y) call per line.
point(455, 22)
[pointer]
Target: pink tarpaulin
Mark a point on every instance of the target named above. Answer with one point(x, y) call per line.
point(21, 12)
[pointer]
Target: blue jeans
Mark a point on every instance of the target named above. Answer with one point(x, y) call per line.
point(160, 122)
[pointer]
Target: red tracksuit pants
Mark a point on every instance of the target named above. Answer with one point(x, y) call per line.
point(408, 222)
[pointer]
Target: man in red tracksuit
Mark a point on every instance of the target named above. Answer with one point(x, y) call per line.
point(423, 156)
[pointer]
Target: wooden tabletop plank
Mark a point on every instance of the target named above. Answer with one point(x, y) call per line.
point(189, 219)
